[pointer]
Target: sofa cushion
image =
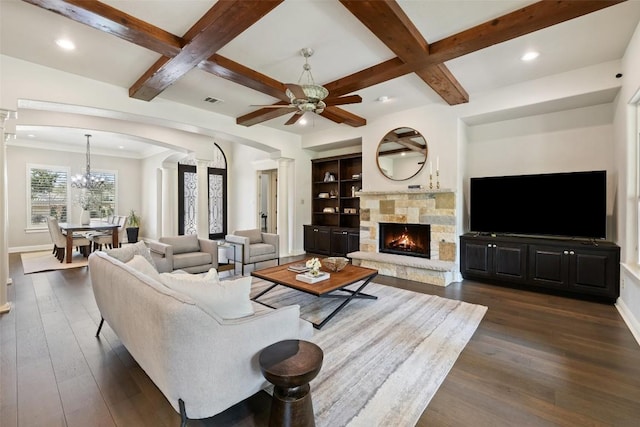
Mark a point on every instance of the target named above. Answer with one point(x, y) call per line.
point(182, 244)
point(254, 235)
point(228, 299)
point(191, 259)
point(127, 252)
point(262, 249)
point(140, 263)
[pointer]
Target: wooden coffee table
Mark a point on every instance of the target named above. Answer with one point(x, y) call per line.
point(333, 287)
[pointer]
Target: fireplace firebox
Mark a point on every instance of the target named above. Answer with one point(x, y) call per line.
point(405, 239)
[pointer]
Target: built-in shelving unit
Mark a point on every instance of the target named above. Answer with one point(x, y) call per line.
point(335, 206)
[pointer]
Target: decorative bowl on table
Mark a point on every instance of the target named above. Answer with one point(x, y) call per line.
point(335, 263)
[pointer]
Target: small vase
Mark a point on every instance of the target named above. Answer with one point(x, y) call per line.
point(85, 217)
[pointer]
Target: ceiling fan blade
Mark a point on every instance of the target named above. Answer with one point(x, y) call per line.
point(294, 118)
point(296, 90)
point(350, 99)
point(271, 106)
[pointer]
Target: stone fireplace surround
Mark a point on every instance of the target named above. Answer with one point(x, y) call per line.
point(433, 207)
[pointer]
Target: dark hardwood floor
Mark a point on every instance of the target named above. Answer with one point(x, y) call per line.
point(535, 360)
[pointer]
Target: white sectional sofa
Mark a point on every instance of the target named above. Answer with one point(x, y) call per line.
point(201, 363)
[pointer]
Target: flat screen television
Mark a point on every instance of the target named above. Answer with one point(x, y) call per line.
point(572, 204)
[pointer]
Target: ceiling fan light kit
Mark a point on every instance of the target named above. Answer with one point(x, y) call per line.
point(307, 96)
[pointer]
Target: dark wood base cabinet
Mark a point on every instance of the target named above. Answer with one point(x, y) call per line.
point(331, 241)
point(573, 267)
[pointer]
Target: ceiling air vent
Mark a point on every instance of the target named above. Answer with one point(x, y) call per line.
point(212, 100)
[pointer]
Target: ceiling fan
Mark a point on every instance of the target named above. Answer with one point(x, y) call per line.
point(307, 96)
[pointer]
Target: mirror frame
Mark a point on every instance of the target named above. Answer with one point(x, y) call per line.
point(409, 133)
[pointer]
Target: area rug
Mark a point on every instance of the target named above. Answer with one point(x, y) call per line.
point(384, 359)
point(34, 262)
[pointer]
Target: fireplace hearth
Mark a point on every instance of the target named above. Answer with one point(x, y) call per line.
point(405, 239)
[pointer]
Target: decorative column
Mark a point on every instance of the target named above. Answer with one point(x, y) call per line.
point(5, 280)
point(203, 198)
point(285, 223)
point(169, 223)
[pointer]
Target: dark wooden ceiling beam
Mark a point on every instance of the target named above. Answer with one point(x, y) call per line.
point(245, 76)
point(221, 24)
point(524, 21)
point(115, 22)
point(387, 21)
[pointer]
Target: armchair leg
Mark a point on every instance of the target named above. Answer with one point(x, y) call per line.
point(183, 414)
point(100, 326)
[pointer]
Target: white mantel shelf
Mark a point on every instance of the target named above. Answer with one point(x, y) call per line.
point(405, 191)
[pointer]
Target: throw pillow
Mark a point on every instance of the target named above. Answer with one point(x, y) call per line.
point(126, 252)
point(228, 299)
point(140, 263)
point(254, 235)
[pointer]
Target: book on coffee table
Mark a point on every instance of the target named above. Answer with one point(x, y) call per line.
point(298, 268)
point(307, 278)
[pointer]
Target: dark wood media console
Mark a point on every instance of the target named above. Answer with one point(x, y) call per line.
point(574, 267)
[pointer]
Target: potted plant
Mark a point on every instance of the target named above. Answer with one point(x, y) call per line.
point(133, 226)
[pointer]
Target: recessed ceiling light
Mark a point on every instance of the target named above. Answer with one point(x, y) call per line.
point(121, 147)
point(65, 44)
point(383, 98)
point(31, 135)
point(529, 56)
point(303, 121)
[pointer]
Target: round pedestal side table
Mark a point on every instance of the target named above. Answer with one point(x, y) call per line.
point(290, 365)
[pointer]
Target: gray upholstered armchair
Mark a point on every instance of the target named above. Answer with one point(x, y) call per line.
point(252, 246)
point(188, 253)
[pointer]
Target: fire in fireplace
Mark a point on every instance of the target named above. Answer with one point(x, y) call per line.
point(405, 239)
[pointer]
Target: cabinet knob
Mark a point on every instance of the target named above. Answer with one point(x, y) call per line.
point(572, 253)
point(495, 246)
point(488, 245)
point(566, 252)
point(344, 232)
point(315, 230)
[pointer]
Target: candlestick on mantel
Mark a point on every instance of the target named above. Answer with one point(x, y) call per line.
point(430, 167)
point(437, 164)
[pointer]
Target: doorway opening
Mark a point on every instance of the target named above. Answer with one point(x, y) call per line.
point(268, 201)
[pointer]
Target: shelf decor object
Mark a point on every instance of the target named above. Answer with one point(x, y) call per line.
point(335, 263)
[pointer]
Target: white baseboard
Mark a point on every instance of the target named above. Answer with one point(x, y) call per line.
point(33, 248)
point(632, 323)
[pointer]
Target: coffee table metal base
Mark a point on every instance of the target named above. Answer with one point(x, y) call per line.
point(350, 295)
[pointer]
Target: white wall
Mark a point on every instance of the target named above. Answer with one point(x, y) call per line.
point(626, 152)
point(20, 237)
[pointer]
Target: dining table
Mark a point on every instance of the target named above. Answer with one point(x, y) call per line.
point(70, 228)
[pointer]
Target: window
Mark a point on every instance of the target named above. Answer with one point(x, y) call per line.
point(47, 194)
point(103, 200)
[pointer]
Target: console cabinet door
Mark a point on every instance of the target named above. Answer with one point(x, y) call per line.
point(491, 259)
point(317, 239)
point(594, 271)
point(510, 261)
point(476, 257)
point(339, 242)
point(549, 266)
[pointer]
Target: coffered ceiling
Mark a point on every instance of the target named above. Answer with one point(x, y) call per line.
point(242, 52)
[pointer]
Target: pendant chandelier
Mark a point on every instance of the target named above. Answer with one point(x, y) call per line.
point(314, 94)
point(87, 180)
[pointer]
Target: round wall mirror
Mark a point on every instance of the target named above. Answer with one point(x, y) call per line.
point(401, 154)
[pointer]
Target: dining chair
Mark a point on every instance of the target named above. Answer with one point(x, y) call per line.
point(106, 238)
point(60, 241)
